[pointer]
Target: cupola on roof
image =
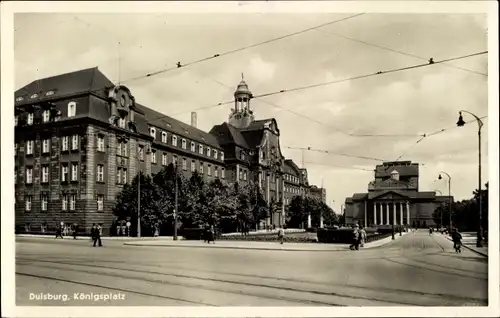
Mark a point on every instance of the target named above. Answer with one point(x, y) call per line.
point(242, 87)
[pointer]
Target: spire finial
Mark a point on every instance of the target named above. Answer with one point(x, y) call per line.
point(242, 77)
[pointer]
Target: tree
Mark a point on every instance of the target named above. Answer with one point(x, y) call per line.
point(297, 212)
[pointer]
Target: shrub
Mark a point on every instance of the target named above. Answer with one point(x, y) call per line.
point(192, 233)
point(312, 230)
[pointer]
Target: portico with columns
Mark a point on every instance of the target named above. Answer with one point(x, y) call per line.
point(393, 198)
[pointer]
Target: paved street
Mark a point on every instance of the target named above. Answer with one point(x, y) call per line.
point(417, 269)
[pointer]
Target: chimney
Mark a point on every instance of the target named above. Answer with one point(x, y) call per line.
point(193, 119)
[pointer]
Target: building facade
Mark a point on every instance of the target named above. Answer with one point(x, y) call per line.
point(394, 197)
point(79, 139)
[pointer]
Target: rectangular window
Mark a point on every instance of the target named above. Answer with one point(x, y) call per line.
point(223, 173)
point(222, 156)
point(45, 202)
point(208, 151)
point(65, 200)
point(30, 119)
point(71, 109)
point(152, 132)
point(174, 160)
point(74, 142)
point(29, 147)
point(245, 175)
point(184, 164)
point(200, 148)
point(118, 175)
point(215, 154)
point(141, 153)
point(164, 137)
point(123, 146)
point(65, 143)
point(122, 122)
point(201, 167)
point(45, 174)
point(16, 120)
point(100, 202)
point(46, 116)
point(74, 172)
point(209, 170)
point(153, 156)
point(27, 201)
point(72, 202)
point(100, 173)
point(216, 172)
point(193, 166)
point(119, 149)
point(124, 176)
point(29, 175)
point(100, 143)
point(174, 140)
point(184, 144)
point(45, 146)
point(64, 173)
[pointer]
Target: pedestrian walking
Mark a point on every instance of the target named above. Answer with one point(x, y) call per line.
point(281, 235)
point(362, 236)
point(355, 238)
point(211, 234)
point(59, 233)
point(457, 240)
point(206, 233)
point(96, 234)
point(74, 231)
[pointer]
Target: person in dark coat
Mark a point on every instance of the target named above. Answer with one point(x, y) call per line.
point(59, 232)
point(355, 238)
point(96, 234)
point(457, 240)
point(211, 234)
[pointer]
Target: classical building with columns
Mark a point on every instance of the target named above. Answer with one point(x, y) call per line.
point(394, 196)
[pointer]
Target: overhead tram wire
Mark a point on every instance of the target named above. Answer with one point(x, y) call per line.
point(336, 82)
point(180, 65)
point(334, 153)
point(338, 166)
point(396, 51)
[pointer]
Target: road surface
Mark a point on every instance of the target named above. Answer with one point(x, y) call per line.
point(415, 270)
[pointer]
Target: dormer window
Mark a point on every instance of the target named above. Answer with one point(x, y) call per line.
point(30, 119)
point(215, 154)
point(152, 132)
point(193, 147)
point(208, 151)
point(200, 147)
point(34, 96)
point(71, 109)
point(46, 116)
point(184, 143)
point(164, 137)
point(222, 156)
point(49, 93)
point(242, 155)
point(19, 99)
point(174, 140)
point(395, 175)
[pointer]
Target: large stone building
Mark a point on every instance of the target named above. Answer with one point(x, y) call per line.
point(79, 138)
point(394, 196)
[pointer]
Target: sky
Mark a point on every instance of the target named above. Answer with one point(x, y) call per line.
point(410, 103)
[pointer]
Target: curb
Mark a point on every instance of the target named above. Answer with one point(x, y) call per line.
point(346, 248)
point(470, 249)
point(104, 238)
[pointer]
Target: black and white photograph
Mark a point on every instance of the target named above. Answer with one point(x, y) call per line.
point(294, 155)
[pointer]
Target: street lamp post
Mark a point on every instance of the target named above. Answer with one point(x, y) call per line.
point(449, 191)
point(175, 204)
point(441, 208)
point(342, 210)
point(461, 123)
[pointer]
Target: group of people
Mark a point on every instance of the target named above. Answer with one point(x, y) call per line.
point(95, 234)
point(209, 234)
point(359, 237)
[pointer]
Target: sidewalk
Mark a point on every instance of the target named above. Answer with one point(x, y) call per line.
point(104, 238)
point(252, 245)
point(469, 242)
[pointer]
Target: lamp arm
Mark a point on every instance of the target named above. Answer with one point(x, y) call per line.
point(479, 121)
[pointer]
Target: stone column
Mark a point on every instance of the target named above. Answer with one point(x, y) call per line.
point(401, 213)
point(375, 213)
point(381, 214)
point(394, 213)
point(387, 214)
point(308, 220)
point(408, 213)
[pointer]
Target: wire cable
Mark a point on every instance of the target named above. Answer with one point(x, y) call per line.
point(336, 82)
point(179, 65)
point(338, 166)
point(395, 51)
point(334, 153)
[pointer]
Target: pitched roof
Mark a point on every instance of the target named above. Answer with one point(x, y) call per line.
point(253, 137)
point(177, 127)
point(291, 166)
point(226, 134)
point(87, 80)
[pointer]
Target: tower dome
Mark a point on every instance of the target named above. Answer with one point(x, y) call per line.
point(241, 116)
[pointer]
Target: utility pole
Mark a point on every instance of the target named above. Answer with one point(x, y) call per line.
point(138, 195)
point(176, 205)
